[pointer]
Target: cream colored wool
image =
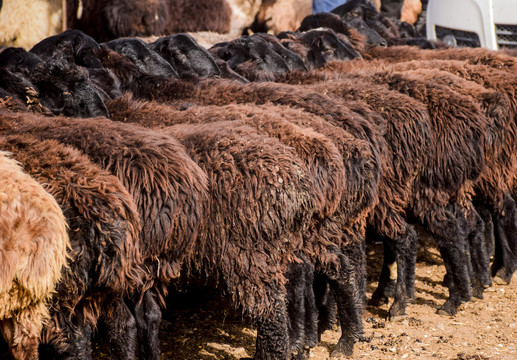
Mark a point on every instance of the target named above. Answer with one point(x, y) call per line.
point(33, 250)
point(243, 14)
point(283, 15)
point(23, 23)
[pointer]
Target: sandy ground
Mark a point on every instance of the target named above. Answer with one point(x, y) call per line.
point(482, 329)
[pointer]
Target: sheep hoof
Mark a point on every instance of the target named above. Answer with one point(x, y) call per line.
point(397, 318)
point(378, 300)
point(502, 277)
point(343, 349)
point(447, 310)
point(500, 281)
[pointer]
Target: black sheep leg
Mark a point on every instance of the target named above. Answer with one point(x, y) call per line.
point(301, 308)
point(295, 287)
point(75, 344)
point(325, 303)
point(148, 315)
point(350, 303)
point(272, 332)
point(505, 257)
point(400, 254)
point(486, 216)
point(453, 244)
point(121, 331)
point(388, 278)
point(479, 262)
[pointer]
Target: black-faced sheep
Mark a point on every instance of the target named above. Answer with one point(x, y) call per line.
point(105, 259)
point(252, 57)
point(63, 88)
point(167, 186)
point(34, 244)
point(322, 46)
point(188, 58)
point(356, 30)
point(75, 47)
point(147, 61)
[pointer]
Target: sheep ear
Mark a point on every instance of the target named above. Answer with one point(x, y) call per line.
point(318, 42)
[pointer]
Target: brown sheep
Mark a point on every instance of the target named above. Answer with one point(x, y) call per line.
point(459, 128)
point(278, 121)
point(498, 60)
point(501, 153)
point(105, 20)
point(407, 132)
point(34, 244)
point(105, 260)
point(252, 177)
point(165, 184)
point(197, 15)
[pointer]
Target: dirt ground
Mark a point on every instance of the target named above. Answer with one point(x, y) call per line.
point(482, 329)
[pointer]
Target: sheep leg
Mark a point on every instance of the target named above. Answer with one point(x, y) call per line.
point(350, 304)
point(479, 262)
point(486, 216)
point(272, 333)
point(453, 244)
point(148, 315)
point(388, 278)
point(296, 306)
point(398, 268)
point(67, 340)
point(121, 331)
point(22, 334)
point(301, 308)
point(325, 303)
point(505, 257)
point(405, 255)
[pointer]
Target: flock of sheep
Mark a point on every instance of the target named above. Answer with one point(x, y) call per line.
point(260, 167)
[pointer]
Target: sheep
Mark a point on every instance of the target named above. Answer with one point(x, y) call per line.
point(400, 83)
point(24, 23)
point(352, 208)
point(408, 124)
point(497, 60)
point(356, 30)
point(188, 58)
point(325, 169)
point(147, 61)
point(464, 137)
point(255, 57)
point(394, 32)
point(243, 14)
point(254, 175)
point(275, 16)
point(198, 15)
point(107, 20)
point(105, 259)
point(323, 46)
point(501, 162)
point(75, 47)
point(34, 243)
point(322, 190)
point(165, 184)
point(62, 88)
